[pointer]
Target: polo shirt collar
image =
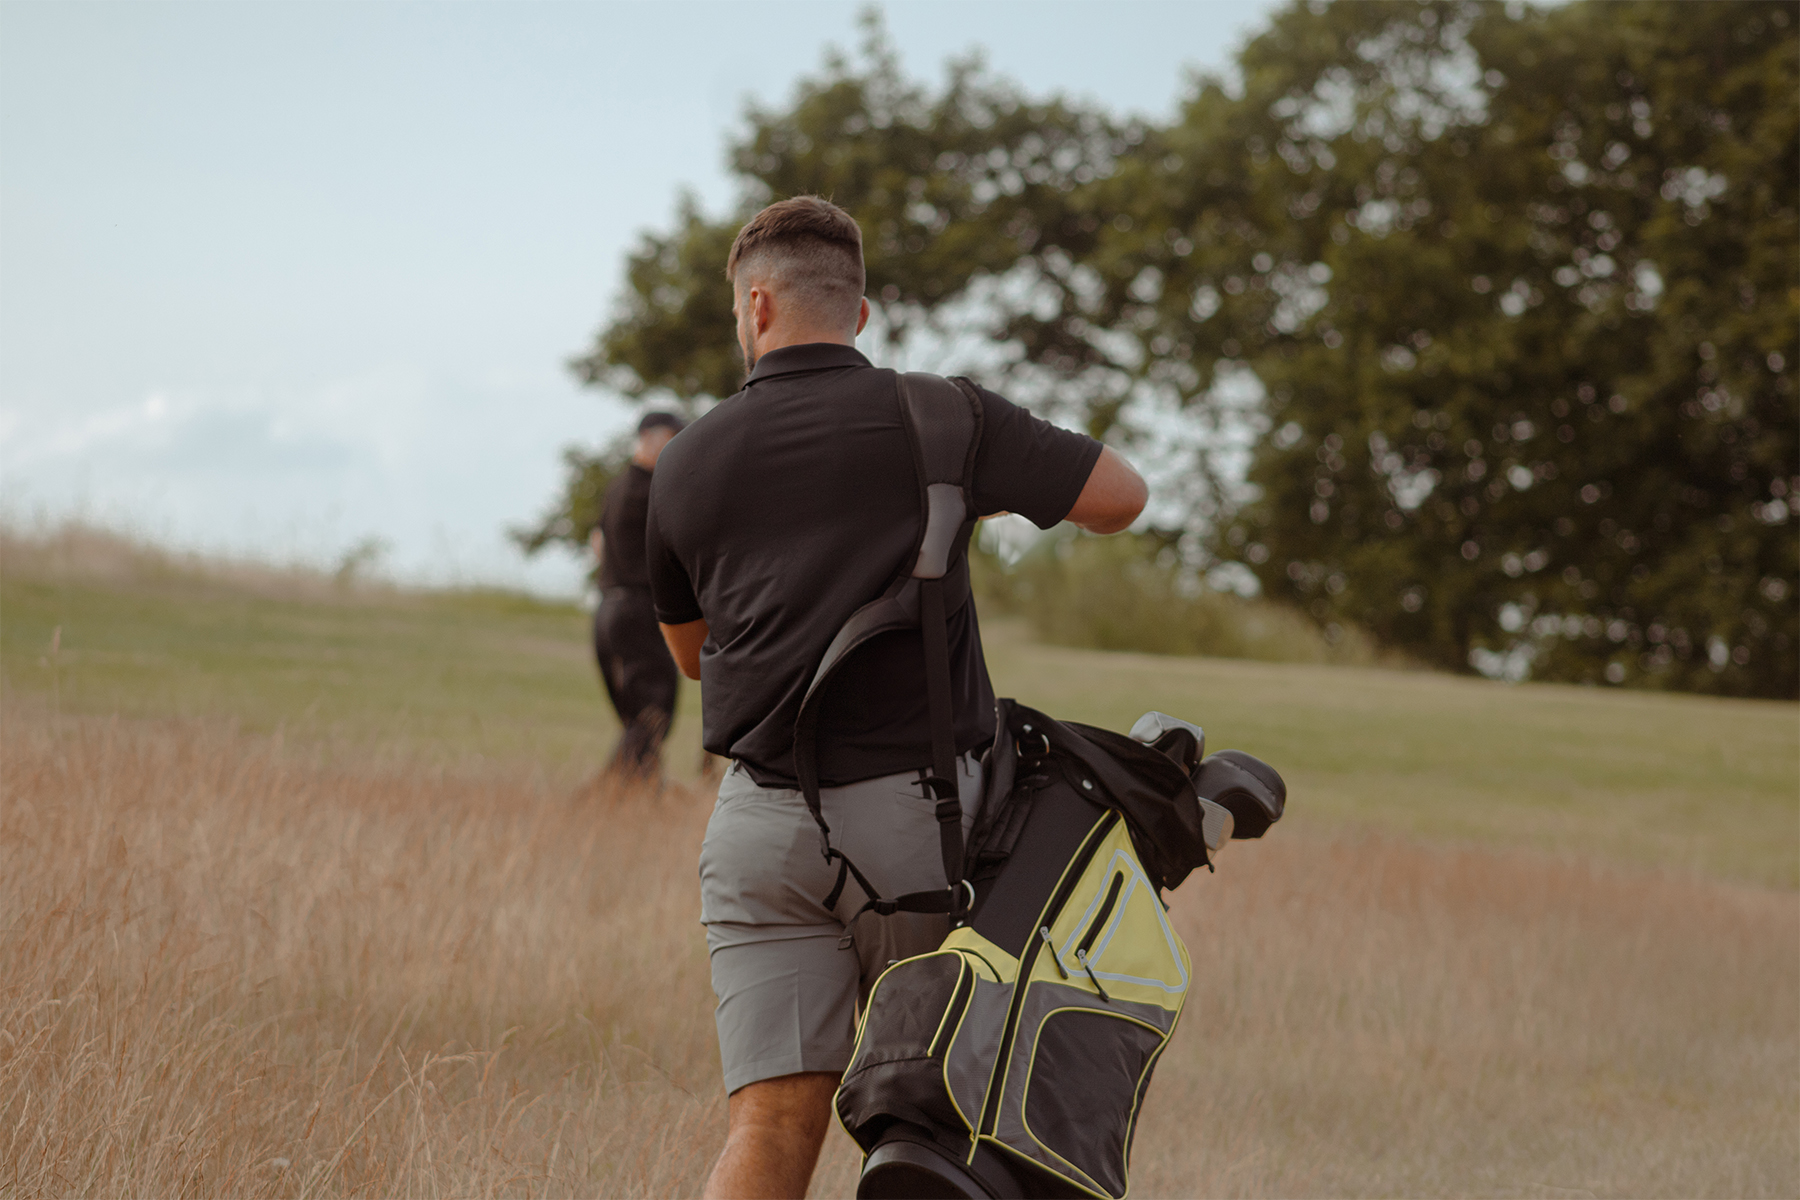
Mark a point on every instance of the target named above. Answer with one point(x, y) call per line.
point(812, 356)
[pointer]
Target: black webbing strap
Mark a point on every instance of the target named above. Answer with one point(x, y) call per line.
point(943, 424)
point(934, 631)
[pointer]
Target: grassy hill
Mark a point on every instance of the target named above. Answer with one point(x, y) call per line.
point(303, 897)
point(1691, 783)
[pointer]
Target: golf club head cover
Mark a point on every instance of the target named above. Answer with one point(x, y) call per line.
point(1247, 786)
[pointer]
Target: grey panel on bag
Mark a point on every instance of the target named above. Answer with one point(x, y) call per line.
point(971, 1054)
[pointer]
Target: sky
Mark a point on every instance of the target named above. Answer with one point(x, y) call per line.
point(280, 277)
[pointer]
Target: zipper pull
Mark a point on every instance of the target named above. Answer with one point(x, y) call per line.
point(1082, 958)
point(1044, 932)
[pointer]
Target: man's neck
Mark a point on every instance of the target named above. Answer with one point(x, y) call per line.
point(774, 339)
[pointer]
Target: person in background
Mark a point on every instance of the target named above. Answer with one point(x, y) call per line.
point(634, 661)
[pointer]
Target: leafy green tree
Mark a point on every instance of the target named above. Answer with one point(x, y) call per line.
point(953, 188)
point(1498, 303)
point(1521, 287)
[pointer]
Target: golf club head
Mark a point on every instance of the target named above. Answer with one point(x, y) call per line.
point(1185, 742)
point(1181, 740)
point(1216, 825)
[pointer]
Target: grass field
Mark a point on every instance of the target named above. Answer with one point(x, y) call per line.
point(303, 891)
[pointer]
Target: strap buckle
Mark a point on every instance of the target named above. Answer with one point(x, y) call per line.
point(962, 899)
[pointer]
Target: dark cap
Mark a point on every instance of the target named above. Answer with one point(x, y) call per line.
point(661, 420)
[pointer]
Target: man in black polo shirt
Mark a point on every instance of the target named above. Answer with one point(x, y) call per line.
point(634, 662)
point(772, 519)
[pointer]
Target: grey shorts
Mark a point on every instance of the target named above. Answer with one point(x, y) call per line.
point(787, 992)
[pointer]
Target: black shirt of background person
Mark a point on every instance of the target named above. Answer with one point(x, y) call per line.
point(622, 519)
point(788, 507)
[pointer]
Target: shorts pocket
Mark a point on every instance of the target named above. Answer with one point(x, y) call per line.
point(914, 799)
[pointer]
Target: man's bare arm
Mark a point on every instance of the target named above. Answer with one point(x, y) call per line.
point(684, 644)
point(1113, 496)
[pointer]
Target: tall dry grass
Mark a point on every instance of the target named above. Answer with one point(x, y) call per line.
point(230, 968)
point(76, 549)
point(230, 971)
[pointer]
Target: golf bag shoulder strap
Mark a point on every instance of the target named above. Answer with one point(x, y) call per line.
point(942, 418)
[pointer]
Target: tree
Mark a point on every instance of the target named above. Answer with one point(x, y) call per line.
point(953, 189)
point(1521, 290)
point(1497, 303)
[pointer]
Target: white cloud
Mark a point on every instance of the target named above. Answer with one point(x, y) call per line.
point(437, 468)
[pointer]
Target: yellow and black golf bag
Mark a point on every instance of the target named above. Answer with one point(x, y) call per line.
point(1013, 1060)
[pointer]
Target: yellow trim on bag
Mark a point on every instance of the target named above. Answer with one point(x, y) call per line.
point(945, 1072)
point(1001, 966)
point(962, 965)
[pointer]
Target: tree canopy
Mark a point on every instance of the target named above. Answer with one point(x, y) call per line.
point(1481, 318)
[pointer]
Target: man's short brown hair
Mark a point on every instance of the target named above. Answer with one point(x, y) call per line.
point(808, 247)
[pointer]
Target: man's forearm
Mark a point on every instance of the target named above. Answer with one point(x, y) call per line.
point(684, 643)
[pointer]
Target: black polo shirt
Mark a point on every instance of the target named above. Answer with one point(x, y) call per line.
point(622, 517)
point(789, 506)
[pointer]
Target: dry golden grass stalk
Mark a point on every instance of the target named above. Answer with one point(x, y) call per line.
point(230, 968)
point(76, 550)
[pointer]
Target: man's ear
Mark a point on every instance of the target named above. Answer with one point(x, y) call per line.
point(862, 318)
point(762, 311)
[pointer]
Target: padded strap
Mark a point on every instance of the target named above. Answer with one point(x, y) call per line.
point(943, 424)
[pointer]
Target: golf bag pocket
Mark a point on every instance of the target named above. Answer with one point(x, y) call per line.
point(1100, 994)
point(917, 1006)
point(1080, 1054)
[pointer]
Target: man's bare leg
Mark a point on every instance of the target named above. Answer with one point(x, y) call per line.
point(772, 1144)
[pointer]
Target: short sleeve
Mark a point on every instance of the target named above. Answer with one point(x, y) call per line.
point(1028, 466)
point(670, 587)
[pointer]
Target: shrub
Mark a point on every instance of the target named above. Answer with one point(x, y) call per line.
point(1130, 592)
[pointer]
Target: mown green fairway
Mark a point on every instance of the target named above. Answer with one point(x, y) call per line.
point(1687, 782)
point(1677, 781)
point(443, 676)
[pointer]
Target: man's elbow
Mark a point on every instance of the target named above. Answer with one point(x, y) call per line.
point(1114, 496)
point(1134, 495)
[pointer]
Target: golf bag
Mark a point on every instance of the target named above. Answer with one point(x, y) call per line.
point(1013, 1060)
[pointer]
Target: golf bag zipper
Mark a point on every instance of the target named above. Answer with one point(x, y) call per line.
point(1044, 933)
point(1087, 939)
point(990, 1109)
point(1082, 958)
point(1112, 898)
